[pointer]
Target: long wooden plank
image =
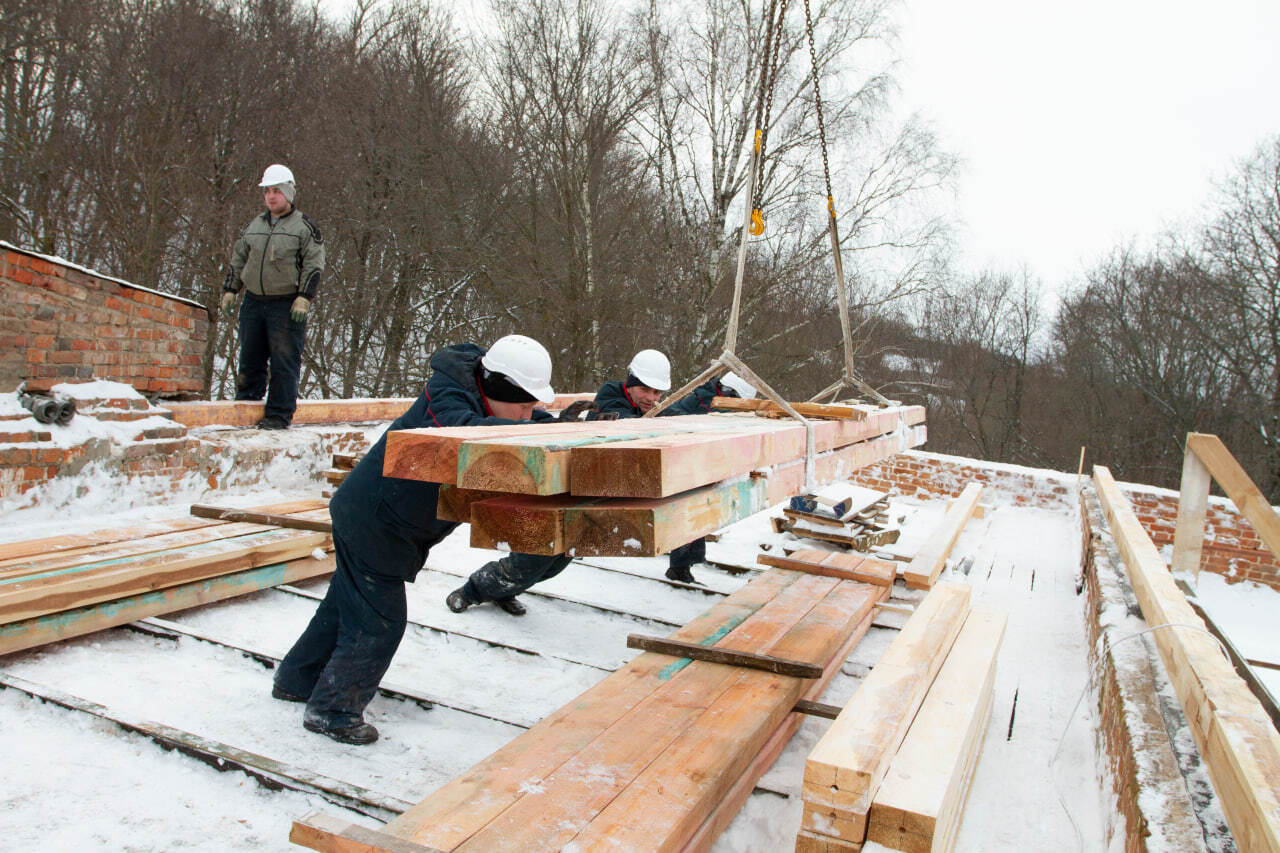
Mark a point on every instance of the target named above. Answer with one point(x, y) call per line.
point(840, 565)
point(712, 654)
point(322, 525)
point(1235, 737)
point(577, 791)
point(846, 766)
point(667, 803)
point(809, 410)
point(651, 526)
point(328, 834)
point(923, 571)
point(1247, 497)
point(26, 549)
point(1193, 504)
point(432, 454)
point(918, 802)
point(37, 631)
point(35, 595)
point(658, 468)
point(450, 815)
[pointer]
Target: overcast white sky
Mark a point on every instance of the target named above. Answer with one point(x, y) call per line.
point(1088, 123)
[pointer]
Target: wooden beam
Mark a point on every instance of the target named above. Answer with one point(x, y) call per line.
point(1193, 503)
point(319, 831)
point(62, 625)
point(648, 526)
point(12, 552)
point(1235, 736)
point(923, 571)
point(1248, 499)
point(849, 566)
point(29, 596)
point(918, 805)
point(818, 709)
point(712, 654)
point(809, 410)
point(846, 766)
point(287, 521)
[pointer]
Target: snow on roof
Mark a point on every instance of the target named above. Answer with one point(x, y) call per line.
point(54, 259)
point(86, 783)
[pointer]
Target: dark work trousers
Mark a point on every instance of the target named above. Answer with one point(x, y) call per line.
point(268, 334)
point(512, 575)
point(689, 555)
point(346, 649)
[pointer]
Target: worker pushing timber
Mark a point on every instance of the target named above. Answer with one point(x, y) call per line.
point(384, 527)
point(648, 376)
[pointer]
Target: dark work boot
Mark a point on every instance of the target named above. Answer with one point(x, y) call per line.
point(285, 695)
point(681, 574)
point(359, 734)
point(512, 605)
point(272, 422)
point(459, 600)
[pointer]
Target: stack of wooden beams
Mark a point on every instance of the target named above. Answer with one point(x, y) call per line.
point(896, 764)
point(66, 586)
point(657, 756)
point(635, 487)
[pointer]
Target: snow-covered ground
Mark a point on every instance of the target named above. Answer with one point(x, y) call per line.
point(77, 782)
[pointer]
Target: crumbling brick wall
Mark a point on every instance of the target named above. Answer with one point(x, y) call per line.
point(62, 323)
point(1231, 548)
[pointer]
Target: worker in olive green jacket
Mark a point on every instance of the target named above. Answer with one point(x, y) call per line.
point(277, 262)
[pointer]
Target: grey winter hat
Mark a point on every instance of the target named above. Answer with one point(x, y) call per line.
point(289, 190)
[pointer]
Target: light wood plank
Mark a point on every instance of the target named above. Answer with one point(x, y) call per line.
point(1193, 503)
point(923, 571)
point(846, 766)
point(1235, 737)
point(850, 566)
point(927, 779)
point(1235, 482)
point(37, 631)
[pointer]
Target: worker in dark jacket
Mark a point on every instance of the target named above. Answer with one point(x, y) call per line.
point(383, 528)
point(648, 376)
point(277, 262)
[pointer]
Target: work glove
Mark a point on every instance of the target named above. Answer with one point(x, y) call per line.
point(228, 304)
point(298, 311)
point(597, 415)
point(576, 408)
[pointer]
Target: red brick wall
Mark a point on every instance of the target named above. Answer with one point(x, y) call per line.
point(62, 324)
point(1231, 549)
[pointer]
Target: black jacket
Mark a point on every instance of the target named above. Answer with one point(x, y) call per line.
point(387, 525)
point(612, 397)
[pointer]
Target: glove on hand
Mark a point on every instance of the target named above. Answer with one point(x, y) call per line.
point(228, 304)
point(598, 415)
point(298, 311)
point(576, 408)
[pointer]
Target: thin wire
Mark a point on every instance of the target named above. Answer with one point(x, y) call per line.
point(1090, 680)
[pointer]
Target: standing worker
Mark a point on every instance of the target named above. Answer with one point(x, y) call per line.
point(277, 260)
point(383, 528)
point(648, 376)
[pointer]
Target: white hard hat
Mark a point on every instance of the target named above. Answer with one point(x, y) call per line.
point(525, 362)
point(275, 175)
point(652, 368)
point(734, 382)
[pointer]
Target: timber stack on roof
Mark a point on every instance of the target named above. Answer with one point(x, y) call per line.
point(637, 487)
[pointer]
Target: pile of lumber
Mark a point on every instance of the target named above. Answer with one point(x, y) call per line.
point(846, 515)
point(635, 487)
point(67, 586)
point(895, 766)
point(338, 471)
point(657, 756)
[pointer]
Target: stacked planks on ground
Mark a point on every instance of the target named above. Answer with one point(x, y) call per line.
point(60, 587)
point(657, 756)
point(632, 488)
point(845, 769)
